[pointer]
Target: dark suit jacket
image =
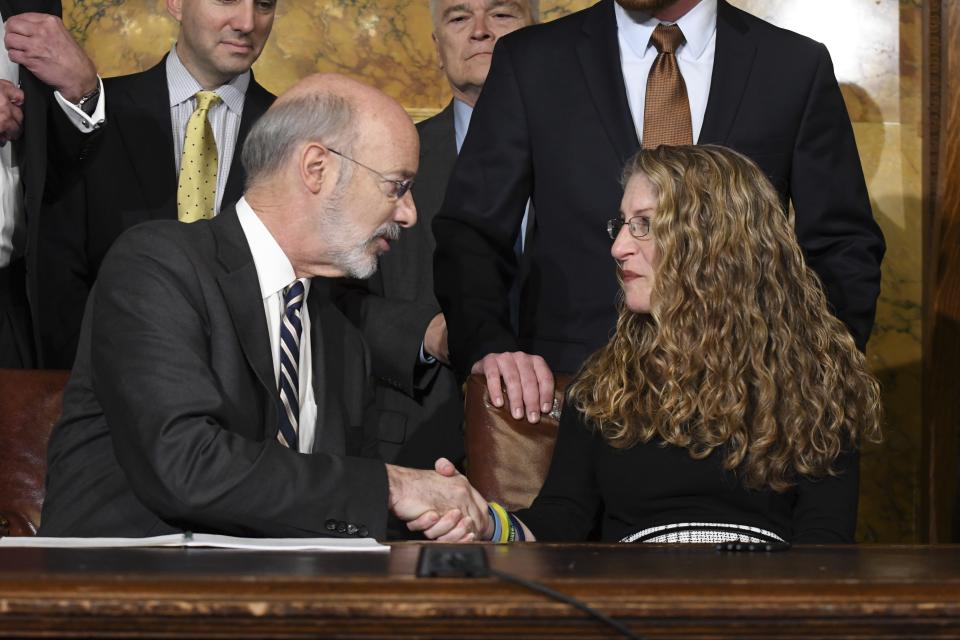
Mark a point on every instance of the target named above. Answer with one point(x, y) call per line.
point(421, 409)
point(553, 121)
point(49, 151)
point(129, 178)
point(170, 417)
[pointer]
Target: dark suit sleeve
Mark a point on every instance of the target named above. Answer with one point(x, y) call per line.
point(569, 503)
point(59, 264)
point(68, 144)
point(162, 398)
point(834, 222)
point(393, 329)
point(826, 508)
point(474, 263)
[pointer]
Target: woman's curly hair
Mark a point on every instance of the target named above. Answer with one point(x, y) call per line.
point(740, 351)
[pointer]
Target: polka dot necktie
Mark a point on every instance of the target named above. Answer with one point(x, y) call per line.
point(197, 185)
point(666, 111)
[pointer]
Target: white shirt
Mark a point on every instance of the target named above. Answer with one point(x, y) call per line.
point(224, 117)
point(694, 57)
point(275, 274)
point(462, 112)
point(11, 189)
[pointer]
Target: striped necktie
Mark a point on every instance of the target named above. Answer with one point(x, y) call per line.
point(289, 383)
point(666, 111)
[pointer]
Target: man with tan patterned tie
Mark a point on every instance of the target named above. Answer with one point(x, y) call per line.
point(167, 152)
point(217, 388)
point(563, 108)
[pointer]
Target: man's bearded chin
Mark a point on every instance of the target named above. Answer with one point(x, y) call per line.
point(647, 6)
point(360, 261)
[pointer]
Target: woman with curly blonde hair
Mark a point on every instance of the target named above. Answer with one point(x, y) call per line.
point(730, 403)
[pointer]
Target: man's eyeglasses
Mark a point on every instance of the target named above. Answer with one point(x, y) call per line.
point(639, 226)
point(397, 188)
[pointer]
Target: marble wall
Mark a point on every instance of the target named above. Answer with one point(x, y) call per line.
point(876, 47)
point(383, 42)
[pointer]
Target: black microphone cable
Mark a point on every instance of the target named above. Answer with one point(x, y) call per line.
point(459, 561)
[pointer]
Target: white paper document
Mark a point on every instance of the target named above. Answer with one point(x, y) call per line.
point(202, 540)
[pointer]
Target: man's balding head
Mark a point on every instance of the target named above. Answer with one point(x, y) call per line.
point(328, 168)
point(327, 108)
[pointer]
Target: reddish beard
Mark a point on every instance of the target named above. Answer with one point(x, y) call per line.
point(648, 6)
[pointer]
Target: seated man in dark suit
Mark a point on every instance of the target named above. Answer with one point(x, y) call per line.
point(142, 167)
point(217, 388)
point(421, 408)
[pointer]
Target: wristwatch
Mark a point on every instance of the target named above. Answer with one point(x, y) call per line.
point(88, 103)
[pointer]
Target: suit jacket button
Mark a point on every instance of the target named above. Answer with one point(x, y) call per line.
point(330, 525)
point(341, 526)
point(351, 528)
point(362, 531)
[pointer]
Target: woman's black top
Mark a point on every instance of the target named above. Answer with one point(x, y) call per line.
point(627, 491)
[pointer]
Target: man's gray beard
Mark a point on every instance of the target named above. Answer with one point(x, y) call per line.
point(647, 6)
point(356, 260)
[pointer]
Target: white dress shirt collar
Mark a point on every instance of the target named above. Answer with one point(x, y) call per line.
point(183, 86)
point(275, 273)
point(461, 121)
point(273, 267)
point(698, 26)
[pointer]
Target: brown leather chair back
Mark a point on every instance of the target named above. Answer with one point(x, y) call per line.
point(507, 459)
point(30, 404)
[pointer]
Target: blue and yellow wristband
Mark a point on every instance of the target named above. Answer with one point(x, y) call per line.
point(506, 527)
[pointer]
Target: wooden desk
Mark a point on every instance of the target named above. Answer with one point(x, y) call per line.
point(661, 592)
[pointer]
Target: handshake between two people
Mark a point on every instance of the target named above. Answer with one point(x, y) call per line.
point(440, 503)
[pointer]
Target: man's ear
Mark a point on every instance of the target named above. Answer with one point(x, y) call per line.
point(175, 9)
point(436, 46)
point(315, 169)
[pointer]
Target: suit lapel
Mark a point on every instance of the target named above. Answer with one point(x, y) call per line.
point(142, 122)
point(732, 63)
point(439, 142)
point(241, 290)
point(326, 349)
point(599, 55)
point(256, 101)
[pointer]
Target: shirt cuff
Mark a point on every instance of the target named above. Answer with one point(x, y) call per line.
point(78, 117)
point(426, 358)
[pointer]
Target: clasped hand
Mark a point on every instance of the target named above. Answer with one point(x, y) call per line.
point(41, 43)
point(440, 503)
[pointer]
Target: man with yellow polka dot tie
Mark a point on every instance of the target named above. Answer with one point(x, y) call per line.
point(169, 151)
point(197, 186)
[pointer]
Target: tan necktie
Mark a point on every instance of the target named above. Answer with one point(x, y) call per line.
point(197, 187)
point(666, 113)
